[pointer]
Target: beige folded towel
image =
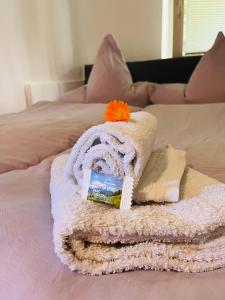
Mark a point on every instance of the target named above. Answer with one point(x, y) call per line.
point(160, 181)
point(98, 239)
point(118, 148)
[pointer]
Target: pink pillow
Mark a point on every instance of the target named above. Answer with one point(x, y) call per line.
point(171, 93)
point(207, 82)
point(111, 79)
point(77, 95)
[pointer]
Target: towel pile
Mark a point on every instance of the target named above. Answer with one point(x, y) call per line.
point(179, 226)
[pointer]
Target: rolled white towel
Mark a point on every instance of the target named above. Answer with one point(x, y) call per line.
point(118, 148)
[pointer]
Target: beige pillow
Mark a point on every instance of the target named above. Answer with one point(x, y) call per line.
point(77, 95)
point(111, 79)
point(171, 93)
point(207, 82)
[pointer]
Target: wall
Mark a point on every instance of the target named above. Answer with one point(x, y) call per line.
point(47, 41)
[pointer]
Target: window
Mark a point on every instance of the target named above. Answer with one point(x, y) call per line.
point(196, 24)
point(203, 19)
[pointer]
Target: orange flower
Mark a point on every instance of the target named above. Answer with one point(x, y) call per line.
point(117, 110)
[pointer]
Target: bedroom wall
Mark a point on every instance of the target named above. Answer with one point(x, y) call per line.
point(135, 24)
point(35, 46)
point(45, 43)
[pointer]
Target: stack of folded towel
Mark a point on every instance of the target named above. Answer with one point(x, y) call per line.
point(180, 227)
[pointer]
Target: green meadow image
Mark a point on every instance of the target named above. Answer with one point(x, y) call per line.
point(105, 188)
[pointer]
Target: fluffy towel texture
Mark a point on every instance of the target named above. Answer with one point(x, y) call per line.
point(117, 148)
point(98, 239)
point(162, 175)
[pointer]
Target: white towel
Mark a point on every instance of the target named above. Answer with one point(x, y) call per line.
point(118, 148)
point(162, 176)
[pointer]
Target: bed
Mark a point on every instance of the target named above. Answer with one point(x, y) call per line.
point(30, 140)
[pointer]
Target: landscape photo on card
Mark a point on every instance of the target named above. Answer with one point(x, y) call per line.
point(105, 188)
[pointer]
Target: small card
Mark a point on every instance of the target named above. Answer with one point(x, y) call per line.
point(108, 189)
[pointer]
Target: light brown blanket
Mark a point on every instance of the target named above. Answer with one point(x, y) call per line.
point(98, 239)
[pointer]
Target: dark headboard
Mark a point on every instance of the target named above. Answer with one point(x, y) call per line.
point(161, 70)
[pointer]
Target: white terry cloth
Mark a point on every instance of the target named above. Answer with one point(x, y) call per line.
point(95, 238)
point(118, 148)
point(160, 181)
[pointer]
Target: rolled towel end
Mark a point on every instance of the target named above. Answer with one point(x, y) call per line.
point(116, 148)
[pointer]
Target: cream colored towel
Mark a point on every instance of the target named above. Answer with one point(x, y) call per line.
point(94, 238)
point(160, 181)
point(118, 148)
